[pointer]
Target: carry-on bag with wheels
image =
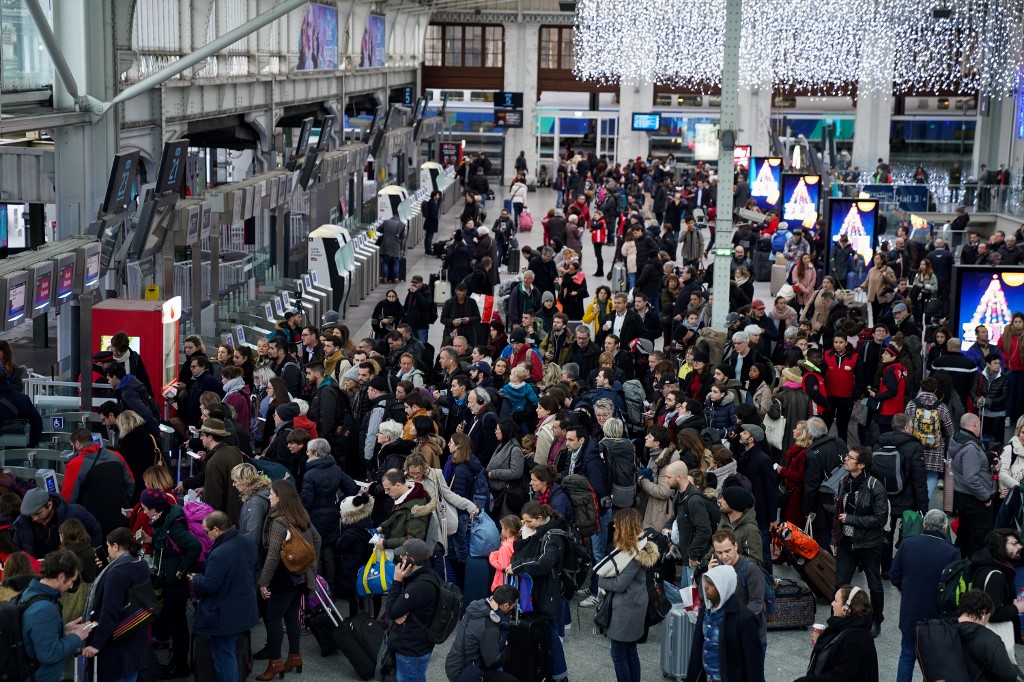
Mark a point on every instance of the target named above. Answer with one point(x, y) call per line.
point(529, 644)
point(676, 640)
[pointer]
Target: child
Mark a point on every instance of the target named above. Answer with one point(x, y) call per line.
point(501, 558)
point(518, 391)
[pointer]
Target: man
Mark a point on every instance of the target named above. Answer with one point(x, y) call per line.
point(646, 248)
point(694, 519)
point(749, 579)
point(1009, 251)
point(480, 186)
point(227, 594)
point(984, 652)
point(17, 405)
point(419, 308)
point(915, 573)
point(311, 350)
point(625, 368)
point(481, 430)
point(770, 330)
point(449, 366)
point(862, 511)
point(625, 323)
point(736, 506)
point(36, 530)
point(534, 330)
point(757, 467)
point(410, 515)
point(47, 640)
point(585, 460)
point(824, 455)
point(412, 600)
point(524, 296)
point(840, 384)
point(329, 409)
point(460, 314)
point(973, 486)
point(522, 352)
point(479, 647)
point(415, 406)
point(129, 359)
point(733, 650)
point(899, 258)
point(796, 247)
point(283, 366)
point(503, 230)
point(221, 458)
point(378, 395)
point(455, 413)
point(989, 396)
point(650, 327)
point(132, 395)
point(99, 480)
point(584, 354)
point(962, 369)
point(914, 493)
point(981, 348)
point(544, 271)
point(691, 244)
point(739, 260)
point(557, 346)
point(479, 281)
point(942, 261)
point(992, 571)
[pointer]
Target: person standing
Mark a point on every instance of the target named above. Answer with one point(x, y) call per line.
point(692, 518)
point(914, 494)
point(840, 384)
point(418, 308)
point(862, 512)
point(757, 467)
point(845, 650)
point(1011, 344)
point(431, 220)
point(749, 578)
point(973, 487)
point(725, 645)
point(99, 480)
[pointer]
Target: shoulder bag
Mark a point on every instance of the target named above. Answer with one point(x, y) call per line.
point(297, 554)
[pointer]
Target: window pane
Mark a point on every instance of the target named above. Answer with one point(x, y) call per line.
point(474, 45)
point(549, 48)
point(453, 46)
point(432, 46)
point(494, 47)
point(568, 56)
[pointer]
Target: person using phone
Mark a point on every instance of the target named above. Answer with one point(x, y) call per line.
point(412, 600)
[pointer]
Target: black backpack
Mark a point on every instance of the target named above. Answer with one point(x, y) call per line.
point(577, 561)
point(940, 651)
point(658, 604)
point(394, 410)
point(447, 610)
point(887, 467)
point(15, 662)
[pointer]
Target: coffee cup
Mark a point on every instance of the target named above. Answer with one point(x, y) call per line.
point(816, 631)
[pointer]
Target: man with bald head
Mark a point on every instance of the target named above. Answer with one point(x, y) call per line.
point(694, 518)
point(973, 487)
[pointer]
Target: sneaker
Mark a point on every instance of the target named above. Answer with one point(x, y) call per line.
point(585, 592)
point(590, 602)
point(568, 627)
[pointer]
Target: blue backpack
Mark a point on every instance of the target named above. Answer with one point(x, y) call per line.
point(769, 585)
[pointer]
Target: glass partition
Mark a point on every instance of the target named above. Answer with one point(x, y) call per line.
point(26, 63)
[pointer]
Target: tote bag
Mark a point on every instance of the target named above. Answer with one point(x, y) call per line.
point(774, 431)
point(376, 576)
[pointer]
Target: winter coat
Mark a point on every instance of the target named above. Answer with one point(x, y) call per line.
point(996, 579)
point(757, 467)
point(99, 480)
point(409, 518)
point(845, 652)
point(438, 531)
point(915, 573)
point(871, 515)
point(1011, 471)
point(175, 550)
point(464, 477)
point(273, 573)
point(38, 541)
point(971, 472)
point(738, 643)
point(655, 494)
point(138, 450)
point(43, 633)
point(914, 495)
point(319, 494)
point(479, 642)
point(748, 536)
point(933, 456)
point(506, 465)
point(254, 511)
point(452, 310)
point(986, 656)
point(227, 587)
point(390, 242)
point(994, 391)
point(218, 491)
point(823, 456)
point(416, 598)
point(590, 465)
point(128, 654)
point(792, 474)
point(540, 556)
point(693, 523)
point(719, 414)
point(623, 577)
point(240, 400)
point(796, 406)
point(200, 385)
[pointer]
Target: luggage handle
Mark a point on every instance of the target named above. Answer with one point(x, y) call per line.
point(328, 604)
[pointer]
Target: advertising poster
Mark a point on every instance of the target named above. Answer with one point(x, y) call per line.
point(987, 297)
point(372, 54)
point(800, 197)
point(856, 219)
point(318, 38)
point(741, 156)
point(765, 182)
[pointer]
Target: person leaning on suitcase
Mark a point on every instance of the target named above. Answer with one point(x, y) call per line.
point(410, 607)
point(227, 593)
point(479, 647)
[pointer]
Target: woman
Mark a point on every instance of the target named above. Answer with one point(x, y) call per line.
point(539, 554)
point(574, 291)
point(391, 448)
point(138, 448)
point(20, 569)
point(322, 481)
point(505, 471)
point(387, 314)
point(461, 475)
point(628, 252)
point(600, 309)
point(282, 589)
point(431, 221)
point(574, 234)
point(243, 358)
point(938, 347)
point(655, 491)
point(744, 282)
point(669, 293)
point(175, 553)
point(122, 658)
point(470, 210)
point(277, 395)
point(698, 382)
point(817, 309)
point(497, 339)
point(428, 444)
point(548, 409)
point(926, 285)
point(458, 258)
point(277, 449)
point(1011, 343)
point(154, 477)
point(693, 450)
point(261, 377)
point(224, 354)
point(517, 193)
point(263, 352)
point(791, 477)
point(10, 510)
point(254, 489)
point(759, 390)
point(880, 278)
point(499, 375)
point(803, 278)
point(1011, 463)
point(783, 315)
point(446, 506)
point(238, 396)
point(14, 374)
point(888, 395)
point(719, 408)
point(598, 237)
point(845, 651)
point(623, 577)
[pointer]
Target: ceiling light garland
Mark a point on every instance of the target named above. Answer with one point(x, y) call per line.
point(826, 47)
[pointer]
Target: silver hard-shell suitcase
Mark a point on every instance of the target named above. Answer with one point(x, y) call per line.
point(676, 640)
point(780, 274)
point(618, 279)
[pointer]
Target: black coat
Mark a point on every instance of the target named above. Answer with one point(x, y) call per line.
point(129, 654)
point(416, 597)
point(915, 485)
point(417, 308)
point(915, 573)
point(204, 382)
point(540, 556)
point(845, 652)
point(22, 409)
point(823, 456)
point(137, 449)
point(986, 657)
point(457, 261)
point(320, 485)
point(739, 645)
point(997, 580)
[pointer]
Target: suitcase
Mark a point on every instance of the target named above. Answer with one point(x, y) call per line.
point(529, 646)
point(820, 574)
point(202, 662)
point(513, 260)
point(676, 640)
point(442, 291)
point(795, 606)
point(507, 205)
point(762, 266)
point(618, 279)
point(780, 273)
point(477, 581)
point(360, 640)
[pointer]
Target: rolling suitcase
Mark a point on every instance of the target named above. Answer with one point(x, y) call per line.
point(529, 645)
point(762, 266)
point(676, 640)
point(513, 256)
point(360, 640)
point(202, 659)
point(442, 290)
point(401, 269)
point(477, 581)
point(780, 273)
point(795, 606)
point(820, 574)
point(618, 279)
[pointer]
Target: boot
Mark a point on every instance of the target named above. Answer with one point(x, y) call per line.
point(294, 662)
point(274, 667)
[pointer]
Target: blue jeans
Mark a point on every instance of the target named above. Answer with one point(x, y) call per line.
point(421, 334)
point(559, 669)
point(932, 477)
point(631, 279)
point(389, 267)
point(597, 544)
point(225, 659)
point(908, 659)
point(411, 668)
point(626, 661)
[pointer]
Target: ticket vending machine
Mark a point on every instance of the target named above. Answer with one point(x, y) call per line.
point(152, 329)
point(327, 265)
point(432, 177)
point(393, 202)
point(15, 298)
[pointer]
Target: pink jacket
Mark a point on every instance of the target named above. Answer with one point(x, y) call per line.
point(501, 559)
point(805, 284)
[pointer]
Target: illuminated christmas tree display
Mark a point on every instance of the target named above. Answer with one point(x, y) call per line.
point(800, 207)
point(992, 311)
point(765, 185)
point(853, 227)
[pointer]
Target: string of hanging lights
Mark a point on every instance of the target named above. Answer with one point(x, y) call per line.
point(825, 47)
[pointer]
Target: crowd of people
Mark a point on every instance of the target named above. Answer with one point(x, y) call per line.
point(612, 422)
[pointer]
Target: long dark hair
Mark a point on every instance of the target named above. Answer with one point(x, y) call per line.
point(289, 505)
point(424, 426)
point(509, 430)
point(280, 395)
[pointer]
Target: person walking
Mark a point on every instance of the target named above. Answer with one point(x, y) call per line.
point(726, 645)
point(914, 493)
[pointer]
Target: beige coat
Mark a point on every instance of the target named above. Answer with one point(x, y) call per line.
point(878, 279)
point(656, 495)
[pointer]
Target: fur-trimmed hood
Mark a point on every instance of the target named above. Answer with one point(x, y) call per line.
point(425, 508)
point(352, 514)
point(664, 458)
point(646, 554)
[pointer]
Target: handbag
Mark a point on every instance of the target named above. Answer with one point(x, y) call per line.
point(143, 606)
point(524, 583)
point(787, 292)
point(860, 296)
point(774, 431)
point(297, 554)
point(484, 537)
point(376, 576)
point(603, 616)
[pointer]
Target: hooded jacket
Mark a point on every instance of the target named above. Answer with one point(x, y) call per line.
point(239, 397)
point(479, 641)
point(623, 576)
point(719, 413)
point(986, 657)
point(43, 631)
point(996, 579)
point(748, 536)
point(726, 635)
point(227, 587)
point(845, 652)
point(540, 556)
point(320, 485)
point(409, 518)
point(694, 523)
point(99, 480)
point(971, 473)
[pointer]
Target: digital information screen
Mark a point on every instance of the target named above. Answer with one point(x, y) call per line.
point(134, 342)
point(741, 156)
point(986, 296)
point(92, 270)
point(66, 283)
point(16, 310)
point(647, 122)
point(800, 197)
point(508, 118)
point(856, 218)
point(765, 182)
point(172, 167)
point(508, 100)
point(43, 290)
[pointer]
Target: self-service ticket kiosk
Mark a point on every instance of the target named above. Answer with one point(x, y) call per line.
point(15, 297)
point(432, 177)
point(328, 265)
point(393, 202)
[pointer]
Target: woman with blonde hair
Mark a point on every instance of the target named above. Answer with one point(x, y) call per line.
point(254, 489)
point(443, 499)
point(138, 448)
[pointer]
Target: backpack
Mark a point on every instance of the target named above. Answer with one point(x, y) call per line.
point(927, 428)
point(769, 584)
point(633, 392)
point(447, 610)
point(887, 467)
point(658, 605)
point(940, 650)
point(829, 487)
point(394, 410)
point(195, 512)
point(15, 661)
point(481, 490)
point(584, 503)
point(953, 583)
point(714, 512)
point(577, 561)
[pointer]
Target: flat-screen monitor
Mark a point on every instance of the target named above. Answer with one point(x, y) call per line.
point(307, 169)
point(172, 167)
point(647, 122)
point(43, 290)
point(741, 156)
point(17, 293)
point(323, 143)
point(800, 197)
point(765, 181)
point(134, 342)
point(122, 179)
point(857, 219)
point(420, 109)
point(92, 269)
point(379, 116)
point(508, 118)
point(986, 295)
point(508, 100)
point(65, 279)
point(303, 142)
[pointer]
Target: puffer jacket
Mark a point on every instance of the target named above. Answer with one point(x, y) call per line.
point(656, 495)
point(720, 413)
point(872, 512)
point(409, 518)
point(43, 632)
point(623, 576)
point(540, 556)
point(478, 641)
point(254, 511)
point(971, 473)
point(748, 536)
point(320, 486)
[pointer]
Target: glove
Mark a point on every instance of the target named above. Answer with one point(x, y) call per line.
point(606, 502)
point(648, 473)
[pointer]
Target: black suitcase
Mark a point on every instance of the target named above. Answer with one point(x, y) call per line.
point(513, 257)
point(202, 661)
point(529, 645)
point(401, 269)
point(360, 640)
point(762, 266)
point(478, 579)
point(324, 626)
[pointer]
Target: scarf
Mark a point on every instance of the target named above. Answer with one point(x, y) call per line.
point(233, 386)
point(89, 603)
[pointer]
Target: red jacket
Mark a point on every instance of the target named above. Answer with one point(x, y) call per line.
point(891, 390)
point(304, 422)
point(69, 490)
point(841, 374)
point(534, 361)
